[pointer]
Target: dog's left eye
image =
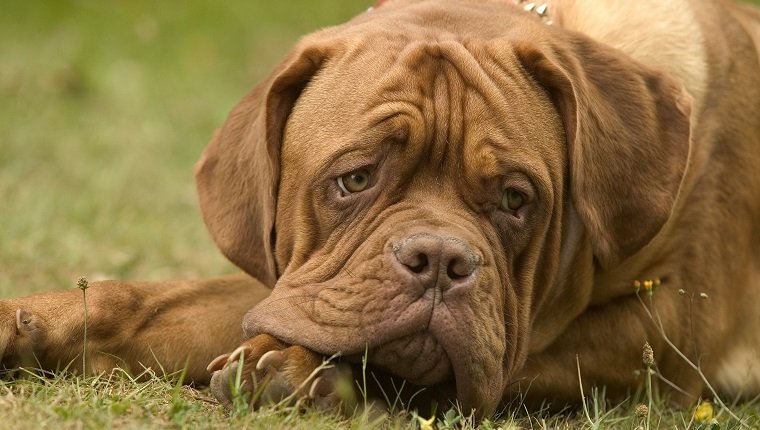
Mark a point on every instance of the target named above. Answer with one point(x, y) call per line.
point(354, 182)
point(512, 200)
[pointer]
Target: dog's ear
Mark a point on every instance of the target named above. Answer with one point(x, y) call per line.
point(628, 138)
point(238, 174)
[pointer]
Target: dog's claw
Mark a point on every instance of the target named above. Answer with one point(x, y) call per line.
point(217, 363)
point(271, 358)
point(241, 350)
point(223, 360)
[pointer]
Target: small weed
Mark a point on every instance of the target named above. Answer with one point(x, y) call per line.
point(648, 360)
point(649, 287)
point(83, 285)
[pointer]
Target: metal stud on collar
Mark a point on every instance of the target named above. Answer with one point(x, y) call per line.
point(542, 10)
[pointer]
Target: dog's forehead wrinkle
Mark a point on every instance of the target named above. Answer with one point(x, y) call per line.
point(513, 111)
point(396, 96)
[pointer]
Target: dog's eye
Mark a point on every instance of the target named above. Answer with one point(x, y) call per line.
point(354, 182)
point(512, 200)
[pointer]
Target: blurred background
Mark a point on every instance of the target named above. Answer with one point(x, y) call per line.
point(104, 108)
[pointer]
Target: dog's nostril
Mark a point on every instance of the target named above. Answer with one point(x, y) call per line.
point(458, 269)
point(418, 263)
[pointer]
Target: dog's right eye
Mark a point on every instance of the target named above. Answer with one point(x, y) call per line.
point(354, 182)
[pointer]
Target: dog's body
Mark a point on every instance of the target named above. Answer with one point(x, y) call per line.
point(510, 175)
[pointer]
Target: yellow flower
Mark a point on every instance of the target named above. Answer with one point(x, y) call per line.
point(426, 424)
point(704, 412)
point(649, 285)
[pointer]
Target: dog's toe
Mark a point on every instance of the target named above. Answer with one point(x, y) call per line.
point(221, 385)
point(334, 388)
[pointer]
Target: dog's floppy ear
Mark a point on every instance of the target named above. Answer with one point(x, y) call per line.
point(628, 138)
point(238, 174)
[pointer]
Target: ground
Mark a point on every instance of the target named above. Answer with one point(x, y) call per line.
point(104, 108)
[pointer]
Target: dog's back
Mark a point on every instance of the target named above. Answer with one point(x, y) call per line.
point(661, 34)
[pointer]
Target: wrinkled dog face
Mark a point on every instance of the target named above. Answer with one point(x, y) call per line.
point(408, 211)
point(429, 182)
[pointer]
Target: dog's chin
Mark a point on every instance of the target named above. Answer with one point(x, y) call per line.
point(416, 372)
point(413, 372)
point(400, 393)
point(418, 358)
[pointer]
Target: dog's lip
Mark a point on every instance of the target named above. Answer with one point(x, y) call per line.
point(328, 339)
point(284, 315)
point(474, 392)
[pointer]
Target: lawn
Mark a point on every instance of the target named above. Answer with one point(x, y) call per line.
point(104, 108)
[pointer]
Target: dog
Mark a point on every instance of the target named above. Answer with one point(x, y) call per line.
point(479, 197)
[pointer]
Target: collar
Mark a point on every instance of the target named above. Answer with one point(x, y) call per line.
point(540, 9)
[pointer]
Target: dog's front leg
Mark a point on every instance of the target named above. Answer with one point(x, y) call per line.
point(165, 326)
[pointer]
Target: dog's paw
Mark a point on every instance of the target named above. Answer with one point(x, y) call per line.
point(264, 371)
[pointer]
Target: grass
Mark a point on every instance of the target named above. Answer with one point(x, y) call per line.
point(104, 108)
point(109, 401)
point(118, 400)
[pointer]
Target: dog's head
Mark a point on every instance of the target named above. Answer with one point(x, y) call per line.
point(435, 183)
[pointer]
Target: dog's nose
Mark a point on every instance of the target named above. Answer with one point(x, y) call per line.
point(437, 260)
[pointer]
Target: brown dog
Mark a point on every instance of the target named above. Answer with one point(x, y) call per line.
point(467, 190)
